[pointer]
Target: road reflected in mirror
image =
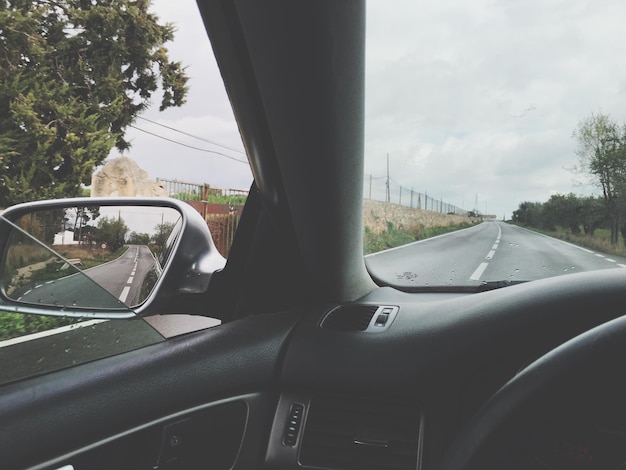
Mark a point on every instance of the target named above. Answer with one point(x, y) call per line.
point(95, 257)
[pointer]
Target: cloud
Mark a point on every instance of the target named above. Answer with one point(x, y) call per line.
point(467, 98)
point(482, 97)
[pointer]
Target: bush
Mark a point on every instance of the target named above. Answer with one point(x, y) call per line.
point(13, 325)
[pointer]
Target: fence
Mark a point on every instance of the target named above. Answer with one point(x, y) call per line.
point(220, 208)
point(383, 189)
point(203, 192)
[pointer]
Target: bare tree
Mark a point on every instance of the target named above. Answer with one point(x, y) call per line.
point(602, 156)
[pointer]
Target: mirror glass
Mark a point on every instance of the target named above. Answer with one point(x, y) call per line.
point(95, 257)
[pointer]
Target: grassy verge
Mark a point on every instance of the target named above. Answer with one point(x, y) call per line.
point(90, 257)
point(236, 200)
point(13, 325)
point(397, 236)
point(600, 241)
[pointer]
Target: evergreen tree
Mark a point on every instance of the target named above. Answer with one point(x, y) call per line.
point(73, 75)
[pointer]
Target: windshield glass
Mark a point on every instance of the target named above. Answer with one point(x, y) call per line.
point(490, 125)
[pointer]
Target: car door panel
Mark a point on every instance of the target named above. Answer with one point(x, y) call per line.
point(77, 407)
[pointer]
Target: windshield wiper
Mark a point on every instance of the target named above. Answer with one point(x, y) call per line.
point(462, 289)
point(492, 285)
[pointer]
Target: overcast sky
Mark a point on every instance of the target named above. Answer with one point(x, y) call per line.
point(473, 101)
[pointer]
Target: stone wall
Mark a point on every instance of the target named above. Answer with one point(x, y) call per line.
point(376, 214)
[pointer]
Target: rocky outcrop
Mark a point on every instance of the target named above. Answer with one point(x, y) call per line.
point(122, 177)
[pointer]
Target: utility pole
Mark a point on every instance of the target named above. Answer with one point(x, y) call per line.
point(370, 186)
point(388, 198)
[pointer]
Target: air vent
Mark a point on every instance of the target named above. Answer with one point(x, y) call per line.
point(358, 317)
point(348, 433)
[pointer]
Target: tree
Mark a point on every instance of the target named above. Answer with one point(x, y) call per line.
point(74, 74)
point(112, 231)
point(529, 213)
point(602, 155)
point(593, 214)
point(139, 238)
point(43, 225)
point(162, 233)
point(564, 211)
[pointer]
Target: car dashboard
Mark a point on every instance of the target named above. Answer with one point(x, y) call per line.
point(386, 382)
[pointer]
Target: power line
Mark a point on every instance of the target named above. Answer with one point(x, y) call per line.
point(188, 146)
point(194, 136)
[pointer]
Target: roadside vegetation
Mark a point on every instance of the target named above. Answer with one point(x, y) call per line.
point(235, 200)
point(90, 257)
point(600, 240)
point(394, 236)
point(598, 223)
point(13, 325)
point(584, 221)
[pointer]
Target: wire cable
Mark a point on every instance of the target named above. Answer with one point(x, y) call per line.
point(191, 135)
point(189, 146)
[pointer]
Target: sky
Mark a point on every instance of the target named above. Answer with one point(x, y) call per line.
point(474, 102)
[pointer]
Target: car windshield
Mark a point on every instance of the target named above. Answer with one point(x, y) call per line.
point(495, 141)
point(495, 136)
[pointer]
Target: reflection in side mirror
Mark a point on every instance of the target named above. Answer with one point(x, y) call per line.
point(89, 256)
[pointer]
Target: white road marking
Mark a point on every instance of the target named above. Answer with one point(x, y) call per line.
point(130, 280)
point(479, 272)
point(621, 265)
point(611, 260)
point(124, 293)
point(42, 334)
point(599, 255)
point(481, 268)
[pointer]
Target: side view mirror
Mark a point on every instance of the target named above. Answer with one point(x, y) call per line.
point(105, 257)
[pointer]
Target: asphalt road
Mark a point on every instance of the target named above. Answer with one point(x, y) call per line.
point(121, 278)
point(491, 251)
point(124, 276)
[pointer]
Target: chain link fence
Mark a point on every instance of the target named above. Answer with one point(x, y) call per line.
point(386, 190)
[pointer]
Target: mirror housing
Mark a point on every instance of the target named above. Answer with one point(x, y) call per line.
point(184, 264)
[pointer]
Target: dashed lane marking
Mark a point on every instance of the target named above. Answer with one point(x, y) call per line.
point(479, 272)
point(124, 294)
point(482, 266)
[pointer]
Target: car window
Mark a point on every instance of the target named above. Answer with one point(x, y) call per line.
point(490, 118)
point(180, 145)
